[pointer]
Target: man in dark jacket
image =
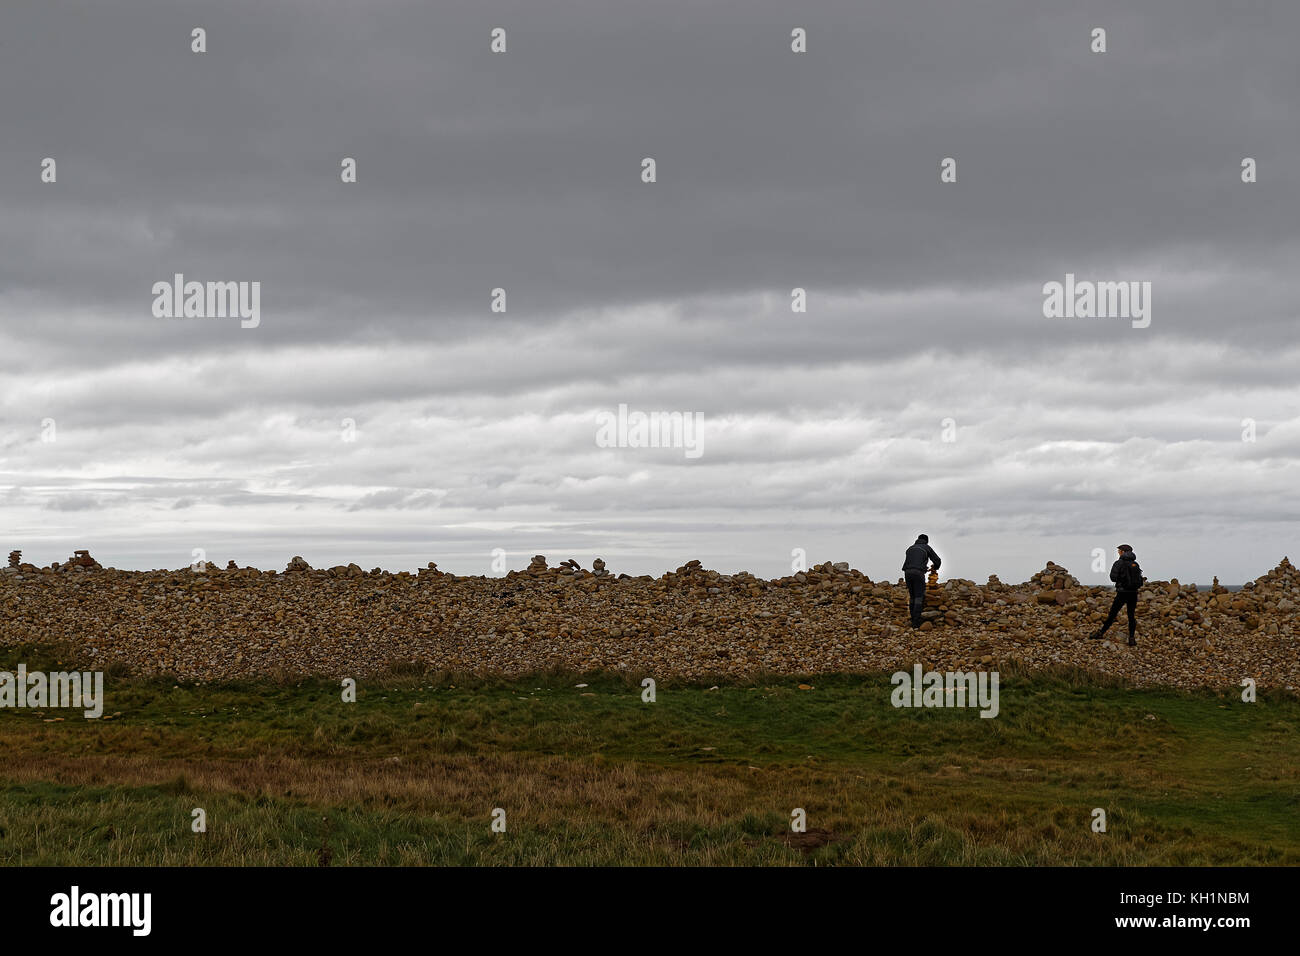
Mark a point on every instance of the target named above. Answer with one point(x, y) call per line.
point(1128, 578)
point(914, 573)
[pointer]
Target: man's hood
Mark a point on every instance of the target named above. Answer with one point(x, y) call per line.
point(1128, 556)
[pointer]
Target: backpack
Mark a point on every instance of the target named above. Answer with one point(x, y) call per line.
point(1130, 576)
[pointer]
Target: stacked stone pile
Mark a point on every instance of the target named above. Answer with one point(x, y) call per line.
point(691, 622)
point(80, 561)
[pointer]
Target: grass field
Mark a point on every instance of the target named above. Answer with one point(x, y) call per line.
point(288, 774)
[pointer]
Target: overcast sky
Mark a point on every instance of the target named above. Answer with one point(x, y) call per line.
point(522, 170)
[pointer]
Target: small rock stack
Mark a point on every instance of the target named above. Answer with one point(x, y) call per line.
point(1055, 584)
point(1055, 577)
point(537, 565)
point(352, 570)
point(80, 559)
point(1278, 592)
point(598, 568)
point(15, 559)
point(296, 565)
point(691, 577)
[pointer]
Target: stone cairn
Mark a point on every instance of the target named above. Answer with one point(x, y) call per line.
point(80, 559)
point(15, 559)
point(1055, 584)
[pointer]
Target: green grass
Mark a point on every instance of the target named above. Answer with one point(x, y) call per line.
point(288, 774)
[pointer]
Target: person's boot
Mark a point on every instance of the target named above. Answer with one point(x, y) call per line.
point(1097, 635)
point(1132, 642)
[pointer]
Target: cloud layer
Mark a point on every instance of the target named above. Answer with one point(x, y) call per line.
point(824, 430)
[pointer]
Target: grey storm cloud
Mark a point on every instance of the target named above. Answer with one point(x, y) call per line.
point(775, 170)
point(522, 169)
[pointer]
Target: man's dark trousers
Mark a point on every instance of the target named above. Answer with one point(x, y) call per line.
point(916, 594)
point(1122, 598)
